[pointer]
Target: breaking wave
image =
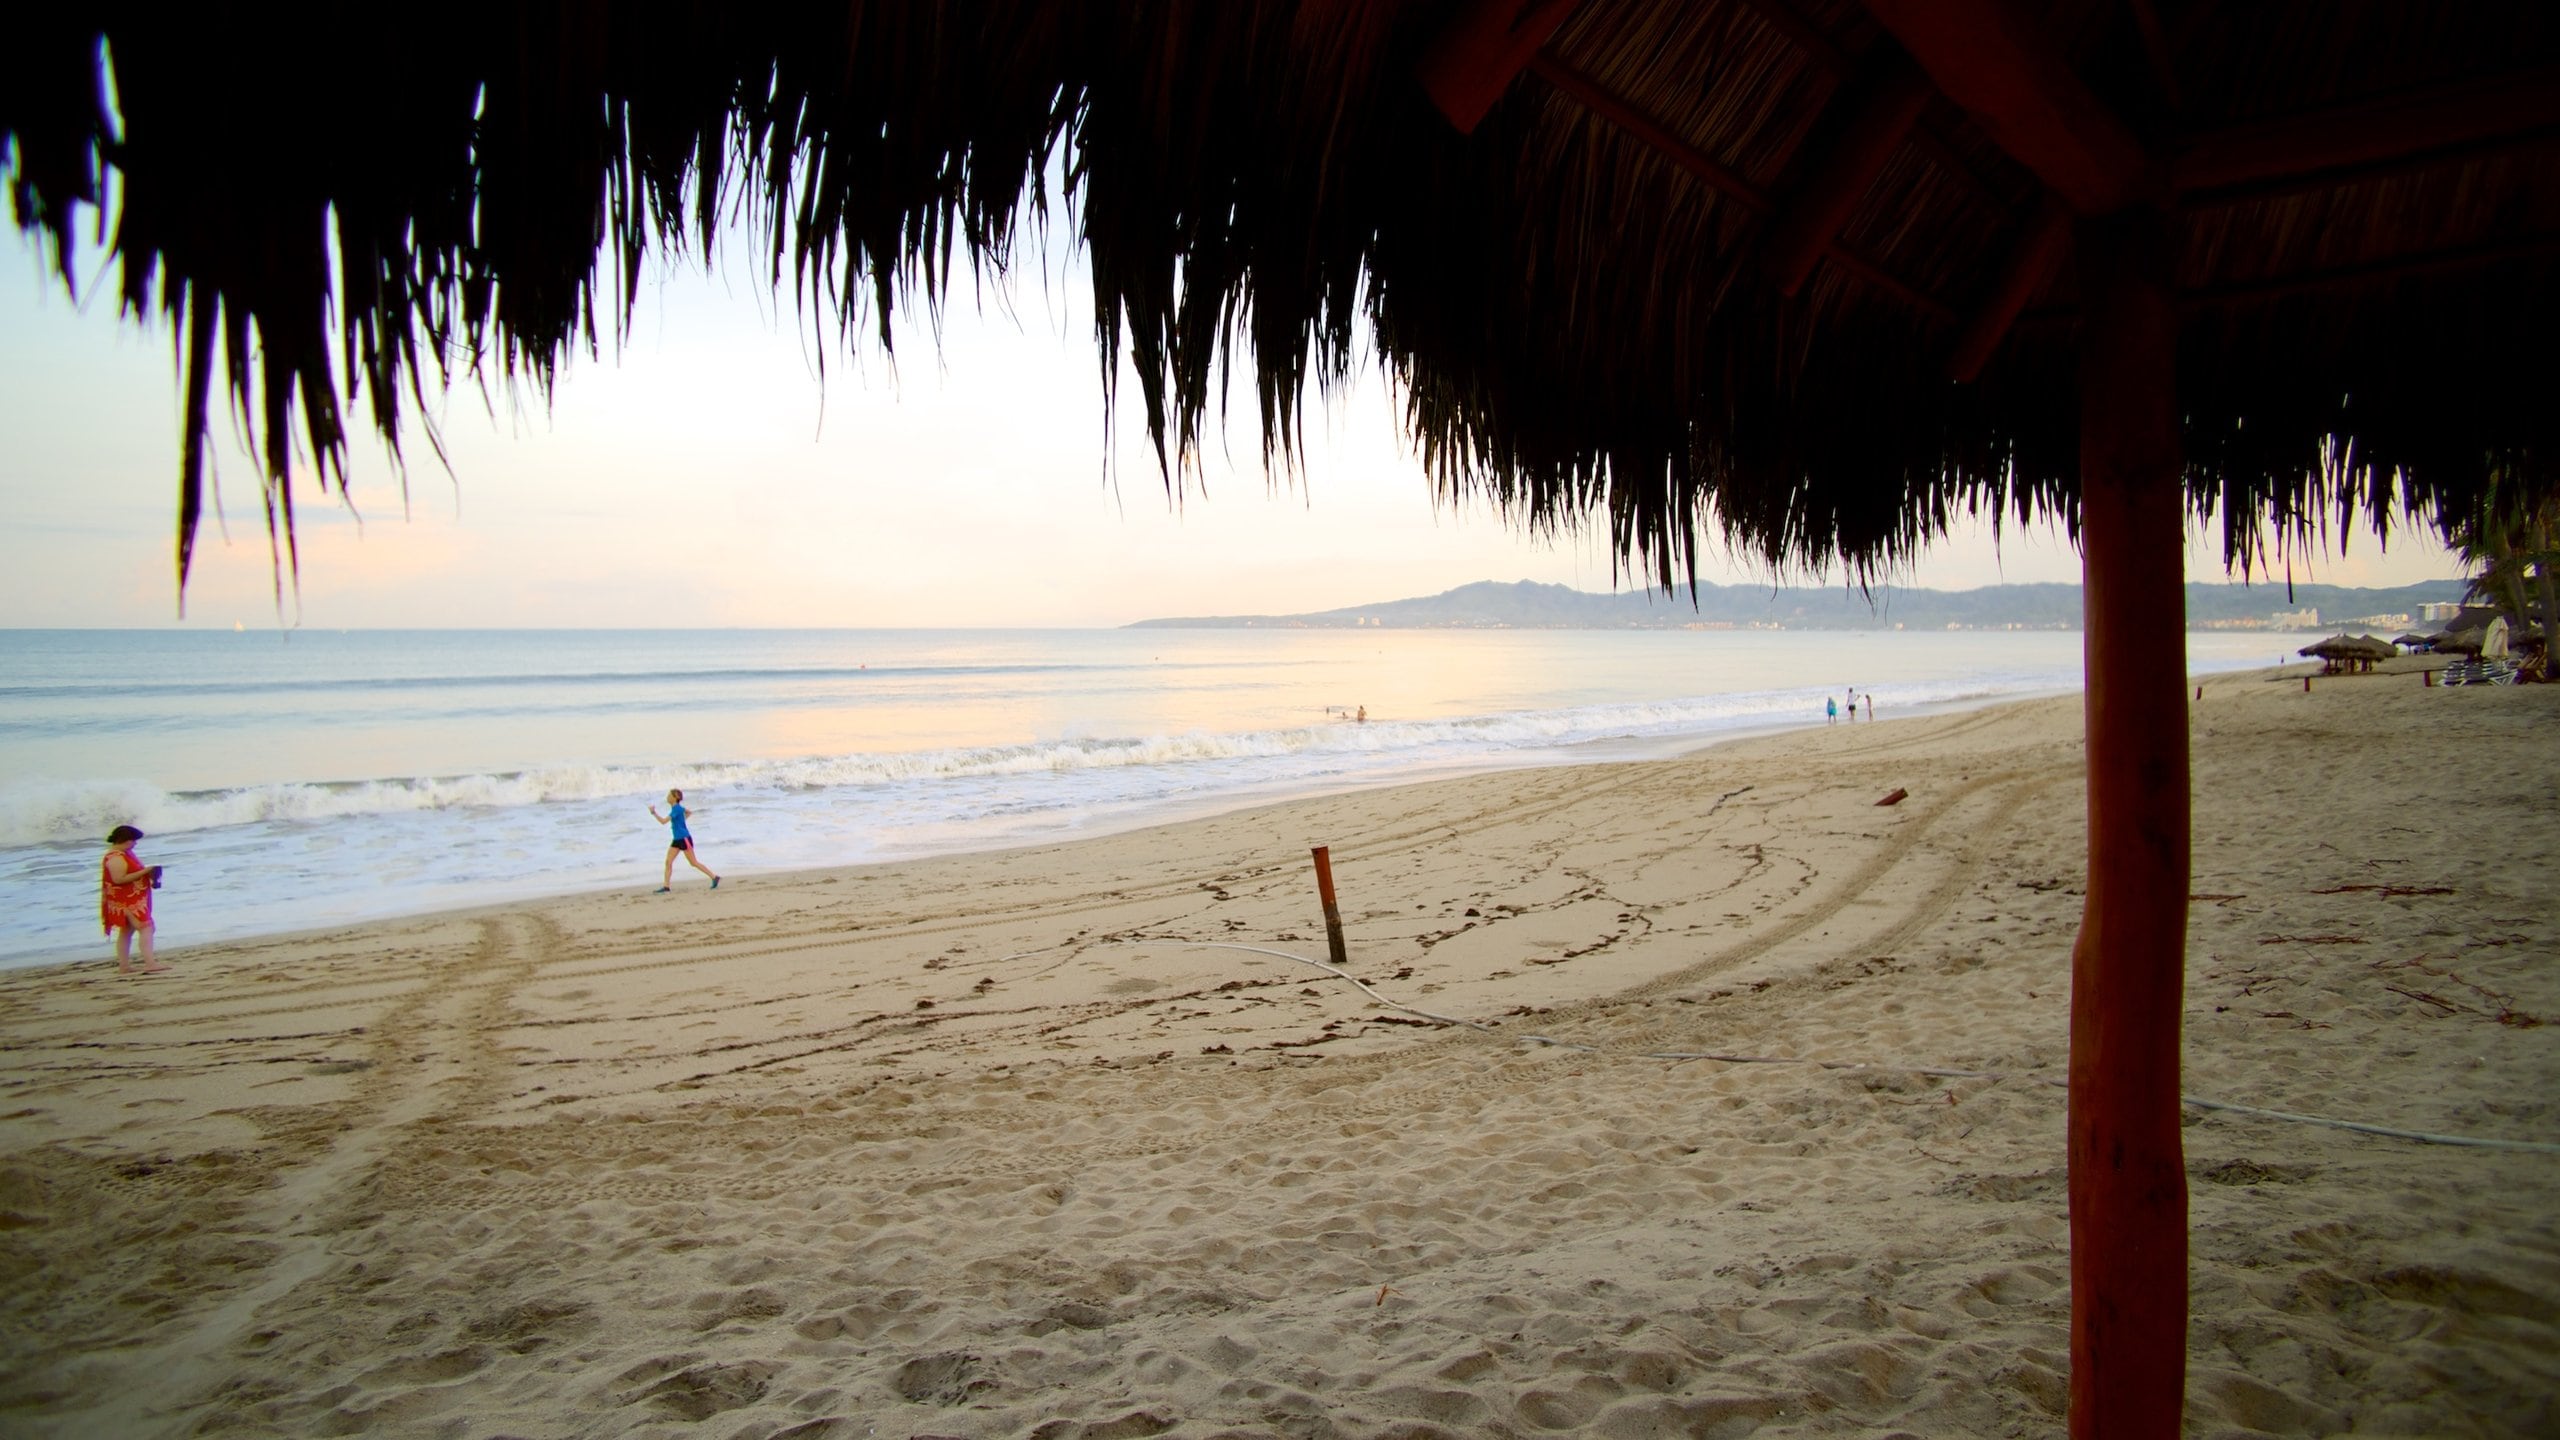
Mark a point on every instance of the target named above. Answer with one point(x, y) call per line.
point(35, 812)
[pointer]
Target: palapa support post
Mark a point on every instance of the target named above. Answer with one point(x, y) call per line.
point(2128, 1184)
point(1332, 912)
point(1481, 49)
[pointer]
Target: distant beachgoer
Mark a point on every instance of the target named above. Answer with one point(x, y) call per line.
point(679, 841)
point(1363, 716)
point(1830, 711)
point(124, 901)
point(1871, 705)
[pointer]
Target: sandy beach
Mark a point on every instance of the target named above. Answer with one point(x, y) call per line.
point(1044, 1143)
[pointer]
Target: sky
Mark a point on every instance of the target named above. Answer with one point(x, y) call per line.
point(704, 472)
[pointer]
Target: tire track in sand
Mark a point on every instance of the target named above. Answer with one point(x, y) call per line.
point(890, 1038)
point(599, 959)
point(1984, 808)
point(2016, 787)
point(429, 1060)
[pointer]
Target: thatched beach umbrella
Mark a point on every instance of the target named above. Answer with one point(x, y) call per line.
point(2372, 650)
point(1813, 277)
point(2344, 652)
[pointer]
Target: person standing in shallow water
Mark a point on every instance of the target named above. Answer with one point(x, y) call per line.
point(1830, 711)
point(679, 842)
point(124, 901)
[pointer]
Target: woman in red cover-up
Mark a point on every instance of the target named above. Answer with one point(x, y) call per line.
point(124, 900)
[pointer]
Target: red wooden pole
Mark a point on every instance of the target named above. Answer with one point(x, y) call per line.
point(1994, 58)
point(2128, 1183)
point(2040, 252)
point(1332, 912)
point(1882, 112)
point(2477, 111)
point(1480, 51)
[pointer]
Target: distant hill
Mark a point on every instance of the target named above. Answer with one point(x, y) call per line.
point(1529, 605)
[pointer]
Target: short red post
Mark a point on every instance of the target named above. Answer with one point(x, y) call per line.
point(1332, 912)
point(2306, 684)
point(2427, 679)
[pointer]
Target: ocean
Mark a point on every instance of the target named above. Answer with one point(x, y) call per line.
point(291, 780)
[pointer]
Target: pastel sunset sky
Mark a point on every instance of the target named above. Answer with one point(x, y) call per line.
point(705, 473)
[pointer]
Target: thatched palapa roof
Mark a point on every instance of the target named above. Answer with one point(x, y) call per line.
point(1733, 267)
point(2351, 647)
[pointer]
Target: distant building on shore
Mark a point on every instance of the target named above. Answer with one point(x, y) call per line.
point(2289, 620)
point(2437, 613)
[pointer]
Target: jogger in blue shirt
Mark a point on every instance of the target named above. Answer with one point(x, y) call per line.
point(679, 842)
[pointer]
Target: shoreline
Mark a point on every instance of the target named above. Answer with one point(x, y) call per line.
point(468, 814)
point(1003, 1146)
point(1647, 749)
point(1205, 808)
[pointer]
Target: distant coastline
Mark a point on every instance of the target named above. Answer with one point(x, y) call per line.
point(1530, 605)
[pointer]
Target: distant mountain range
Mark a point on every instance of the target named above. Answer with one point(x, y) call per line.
point(1529, 605)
